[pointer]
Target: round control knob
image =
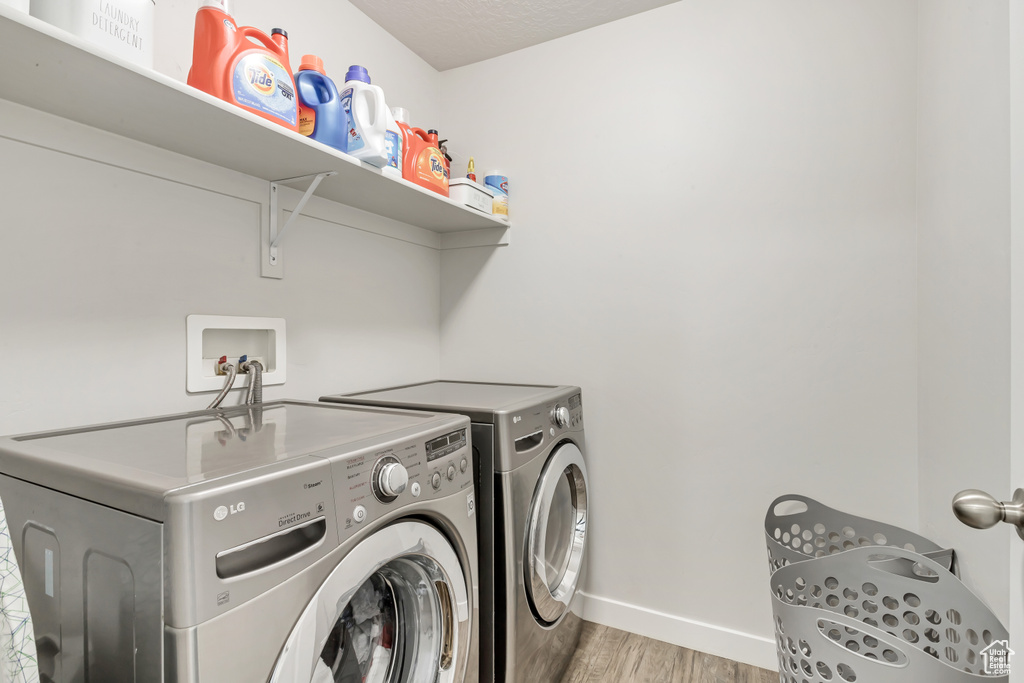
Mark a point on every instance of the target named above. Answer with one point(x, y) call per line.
point(358, 514)
point(451, 472)
point(464, 465)
point(560, 416)
point(393, 479)
point(435, 480)
point(415, 489)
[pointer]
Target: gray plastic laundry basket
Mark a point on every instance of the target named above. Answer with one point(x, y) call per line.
point(881, 615)
point(815, 530)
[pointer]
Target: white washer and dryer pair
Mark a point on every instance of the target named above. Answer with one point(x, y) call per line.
point(528, 443)
point(288, 542)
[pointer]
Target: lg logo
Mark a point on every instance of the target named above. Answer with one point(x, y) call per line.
point(516, 419)
point(221, 513)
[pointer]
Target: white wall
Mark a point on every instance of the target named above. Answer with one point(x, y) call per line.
point(102, 264)
point(964, 277)
point(714, 234)
point(104, 257)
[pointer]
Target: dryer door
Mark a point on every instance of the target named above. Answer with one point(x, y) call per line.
point(557, 534)
point(395, 610)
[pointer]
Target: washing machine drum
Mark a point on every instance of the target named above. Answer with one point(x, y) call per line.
point(395, 610)
point(557, 533)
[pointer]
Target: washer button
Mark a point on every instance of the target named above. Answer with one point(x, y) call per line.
point(435, 480)
point(451, 472)
point(359, 514)
point(415, 489)
point(463, 465)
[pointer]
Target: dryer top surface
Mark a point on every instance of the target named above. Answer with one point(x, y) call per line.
point(480, 400)
point(152, 457)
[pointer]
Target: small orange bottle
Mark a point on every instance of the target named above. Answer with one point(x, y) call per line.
point(226, 63)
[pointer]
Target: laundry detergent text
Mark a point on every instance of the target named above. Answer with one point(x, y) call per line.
point(111, 19)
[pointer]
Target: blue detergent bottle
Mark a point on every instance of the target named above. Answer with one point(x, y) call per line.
point(321, 116)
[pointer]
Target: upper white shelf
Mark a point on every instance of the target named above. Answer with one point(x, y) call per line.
point(51, 70)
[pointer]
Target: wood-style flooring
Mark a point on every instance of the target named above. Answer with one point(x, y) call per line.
point(607, 655)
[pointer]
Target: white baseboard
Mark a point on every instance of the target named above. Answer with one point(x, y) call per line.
point(669, 628)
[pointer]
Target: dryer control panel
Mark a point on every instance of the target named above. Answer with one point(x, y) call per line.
point(402, 475)
point(526, 432)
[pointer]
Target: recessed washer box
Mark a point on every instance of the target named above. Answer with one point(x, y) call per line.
point(208, 337)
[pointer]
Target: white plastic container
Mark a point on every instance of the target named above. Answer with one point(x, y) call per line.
point(368, 117)
point(401, 115)
point(393, 144)
point(473, 195)
point(122, 27)
point(20, 5)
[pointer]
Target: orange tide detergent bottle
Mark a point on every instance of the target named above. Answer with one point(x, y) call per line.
point(227, 63)
point(424, 164)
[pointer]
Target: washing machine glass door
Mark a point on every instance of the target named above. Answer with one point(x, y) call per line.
point(557, 534)
point(394, 610)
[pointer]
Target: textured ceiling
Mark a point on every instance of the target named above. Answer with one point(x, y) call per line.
point(451, 33)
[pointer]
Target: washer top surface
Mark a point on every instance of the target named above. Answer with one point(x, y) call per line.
point(479, 400)
point(154, 456)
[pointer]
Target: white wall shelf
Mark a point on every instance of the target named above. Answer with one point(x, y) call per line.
point(50, 70)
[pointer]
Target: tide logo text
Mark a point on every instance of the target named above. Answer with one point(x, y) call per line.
point(436, 166)
point(260, 78)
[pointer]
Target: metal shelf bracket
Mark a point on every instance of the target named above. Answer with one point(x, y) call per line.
point(277, 234)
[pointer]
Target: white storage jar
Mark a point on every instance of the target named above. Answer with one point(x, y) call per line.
point(122, 27)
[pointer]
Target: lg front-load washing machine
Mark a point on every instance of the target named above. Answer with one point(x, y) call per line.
point(288, 542)
point(532, 483)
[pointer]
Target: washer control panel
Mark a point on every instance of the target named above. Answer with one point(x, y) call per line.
point(568, 413)
point(378, 481)
point(441, 456)
point(525, 432)
point(446, 445)
point(389, 479)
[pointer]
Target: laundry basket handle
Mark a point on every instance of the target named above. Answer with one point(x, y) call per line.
point(808, 503)
point(803, 507)
point(905, 563)
point(889, 651)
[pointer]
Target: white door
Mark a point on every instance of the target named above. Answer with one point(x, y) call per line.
point(394, 610)
point(1016, 625)
point(557, 534)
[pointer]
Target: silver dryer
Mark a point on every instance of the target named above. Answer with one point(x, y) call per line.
point(532, 483)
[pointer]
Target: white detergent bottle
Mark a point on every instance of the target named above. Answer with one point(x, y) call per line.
point(367, 118)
